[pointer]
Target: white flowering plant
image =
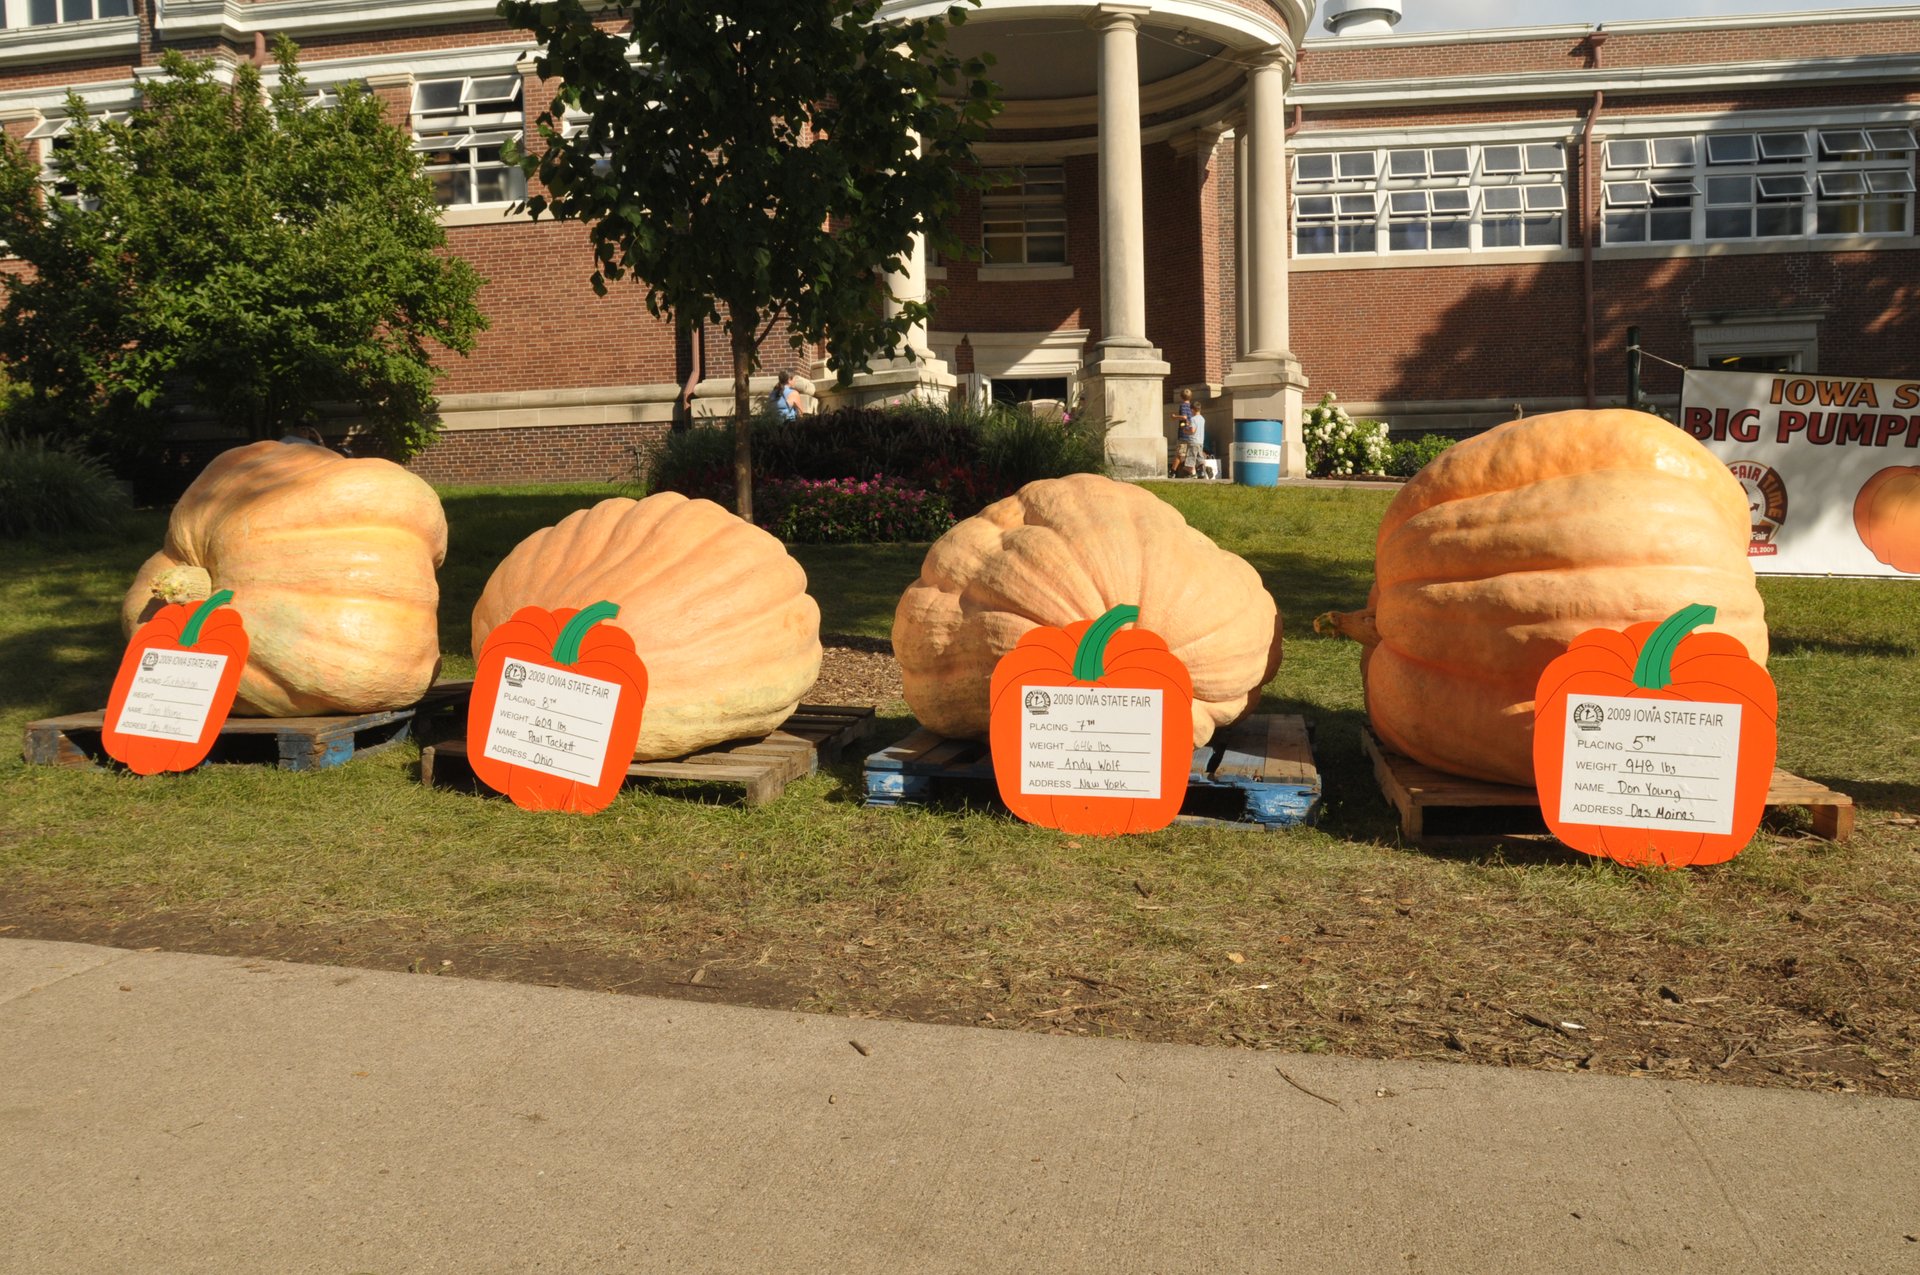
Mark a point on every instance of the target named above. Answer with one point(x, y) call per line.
point(1338, 445)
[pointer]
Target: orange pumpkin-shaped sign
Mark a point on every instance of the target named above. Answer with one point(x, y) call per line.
point(1656, 745)
point(1886, 514)
point(1090, 727)
point(175, 686)
point(556, 708)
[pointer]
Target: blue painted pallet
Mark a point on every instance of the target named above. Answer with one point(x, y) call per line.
point(1258, 773)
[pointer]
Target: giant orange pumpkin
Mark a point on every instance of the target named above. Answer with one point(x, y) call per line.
point(1497, 555)
point(1667, 661)
point(331, 562)
point(1886, 514)
point(717, 609)
point(1058, 551)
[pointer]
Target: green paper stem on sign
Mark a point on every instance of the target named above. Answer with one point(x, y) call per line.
point(566, 647)
point(1655, 667)
point(191, 633)
point(1090, 657)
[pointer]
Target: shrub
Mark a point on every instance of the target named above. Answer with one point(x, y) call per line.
point(833, 511)
point(965, 456)
point(46, 490)
point(1411, 455)
point(1339, 445)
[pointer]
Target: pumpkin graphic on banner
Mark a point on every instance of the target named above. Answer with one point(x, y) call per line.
point(1886, 514)
point(150, 728)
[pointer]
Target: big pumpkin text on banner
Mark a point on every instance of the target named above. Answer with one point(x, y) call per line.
point(1831, 466)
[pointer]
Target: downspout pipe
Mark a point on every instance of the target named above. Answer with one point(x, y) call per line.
point(696, 371)
point(1589, 227)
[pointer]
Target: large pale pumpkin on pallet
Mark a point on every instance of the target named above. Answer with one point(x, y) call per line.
point(1063, 550)
point(331, 563)
point(1510, 545)
point(717, 609)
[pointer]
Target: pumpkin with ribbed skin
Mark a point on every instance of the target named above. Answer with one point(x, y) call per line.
point(1493, 558)
point(331, 563)
point(1062, 550)
point(718, 611)
point(1886, 515)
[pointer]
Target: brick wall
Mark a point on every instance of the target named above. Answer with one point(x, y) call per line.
point(1515, 332)
point(549, 330)
point(1325, 61)
point(559, 453)
point(964, 304)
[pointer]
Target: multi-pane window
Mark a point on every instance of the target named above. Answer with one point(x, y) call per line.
point(36, 13)
point(1430, 199)
point(52, 135)
point(459, 127)
point(1023, 217)
point(1754, 185)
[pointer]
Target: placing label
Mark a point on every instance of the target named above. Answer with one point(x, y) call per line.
point(1655, 745)
point(1091, 727)
point(553, 720)
point(1646, 763)
point(554, 716)
point(1091, 741)
point(172, 695)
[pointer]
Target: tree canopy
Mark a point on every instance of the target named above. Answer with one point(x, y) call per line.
point(250, 254)
point(758, 161)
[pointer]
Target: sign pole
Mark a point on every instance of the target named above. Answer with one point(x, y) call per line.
point(1633, 369)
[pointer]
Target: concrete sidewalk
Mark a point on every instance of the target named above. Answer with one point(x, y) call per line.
point(190, 1113)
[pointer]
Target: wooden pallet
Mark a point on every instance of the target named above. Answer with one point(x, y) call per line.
point(1256, 774)
point(291, 743)
point(1420, 792)
point(761, 768)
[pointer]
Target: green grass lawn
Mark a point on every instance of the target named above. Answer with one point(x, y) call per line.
point(1791, 965)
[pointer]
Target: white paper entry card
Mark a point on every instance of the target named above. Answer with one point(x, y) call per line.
point(1650, 763)
point(1090, 741)
point(172, 694)
point(552, 720)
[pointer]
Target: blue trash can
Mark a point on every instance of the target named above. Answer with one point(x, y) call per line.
point(1256, 452)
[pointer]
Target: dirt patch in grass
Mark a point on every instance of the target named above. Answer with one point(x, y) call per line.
point(1807, 994)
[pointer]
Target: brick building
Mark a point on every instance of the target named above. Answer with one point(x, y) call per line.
point(1191, 193)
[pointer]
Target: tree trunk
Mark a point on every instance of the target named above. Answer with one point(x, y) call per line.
point(742, 410)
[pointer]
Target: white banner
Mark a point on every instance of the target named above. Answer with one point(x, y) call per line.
point(1828, 463)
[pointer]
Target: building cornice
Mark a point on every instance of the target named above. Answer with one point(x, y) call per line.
point(1508, 86)
point(1641, 26)
point(1231, 24)
point(68, 41)
point(235, 20)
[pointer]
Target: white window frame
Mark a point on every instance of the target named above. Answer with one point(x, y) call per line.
point(18, 15)
point(460, 142)
point(1401, 214)
point(1851, 181)
point(1023, 217)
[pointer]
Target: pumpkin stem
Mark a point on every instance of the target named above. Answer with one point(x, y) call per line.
point(1090, 659)
point(1655, 667)
point(1357, 625)
point(566, 648)
point(191, 633)
point(182, 583)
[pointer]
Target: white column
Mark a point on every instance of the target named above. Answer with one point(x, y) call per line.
point(1242, 249)
point(909, 283)
point(1267, 337)
point(1123, 240)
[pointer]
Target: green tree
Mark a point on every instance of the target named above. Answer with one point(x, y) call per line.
point(753, 161)
point(244, 252)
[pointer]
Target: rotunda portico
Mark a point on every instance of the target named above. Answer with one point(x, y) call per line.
point(1097, 83)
